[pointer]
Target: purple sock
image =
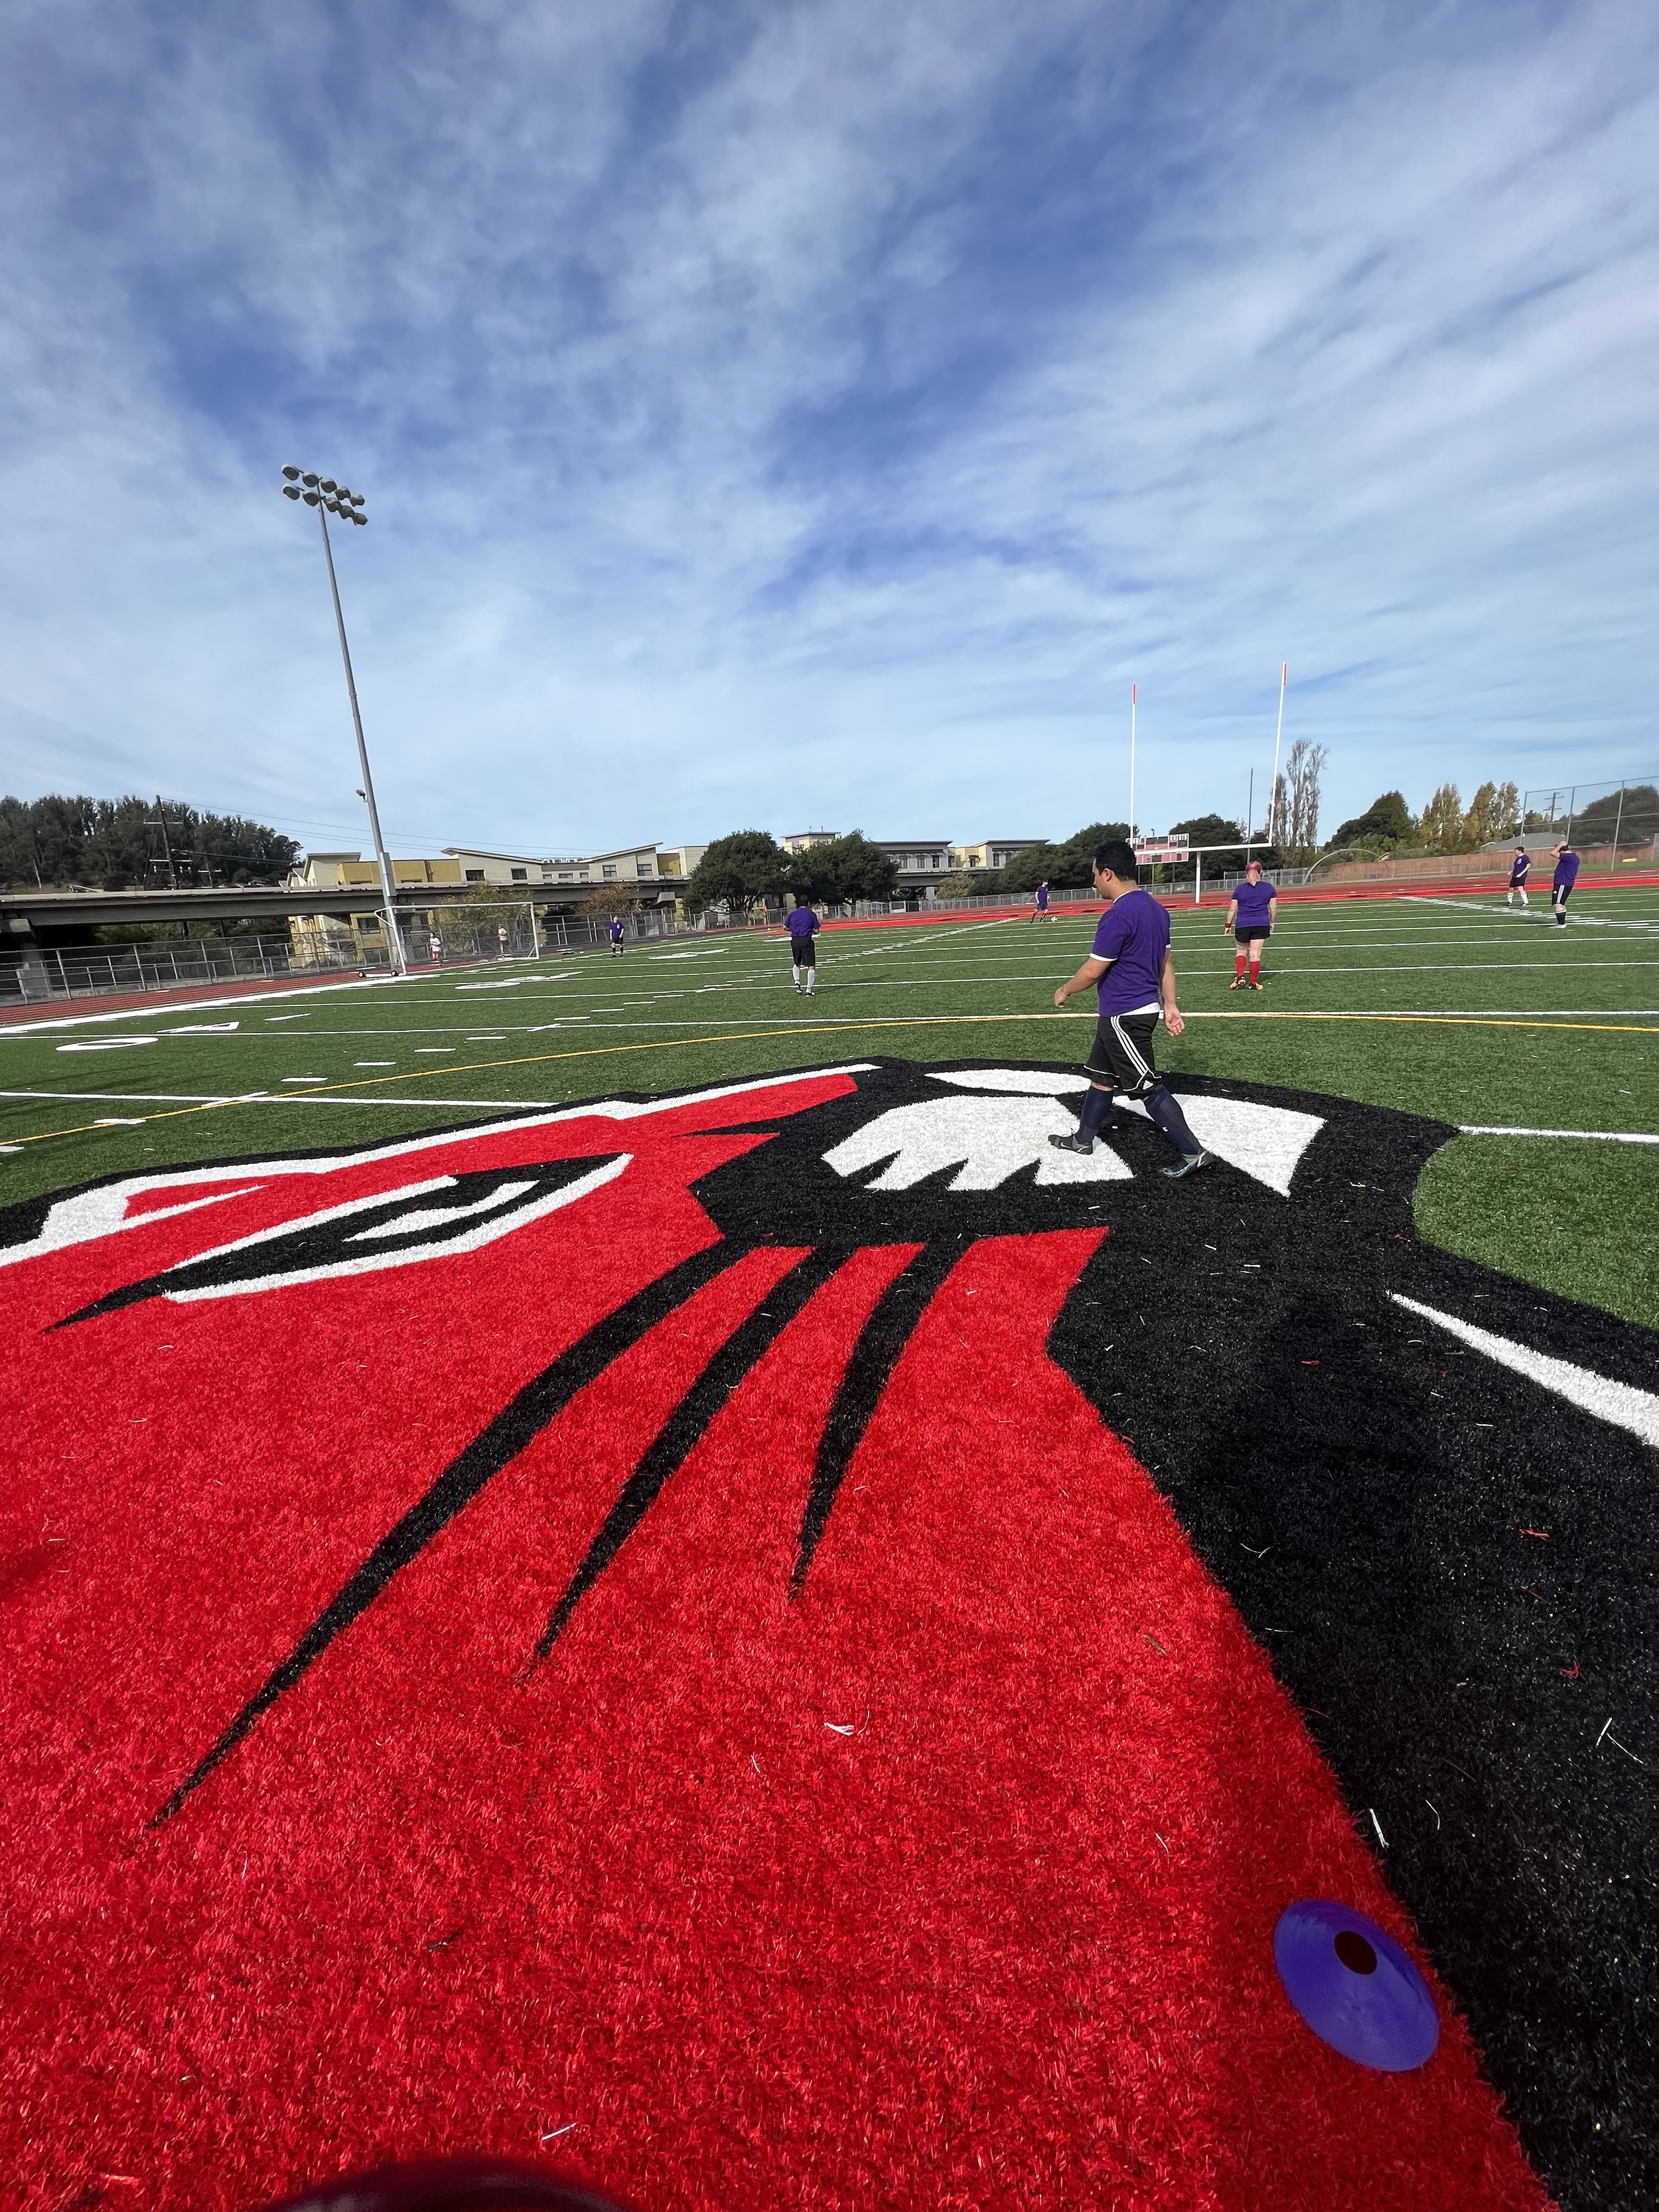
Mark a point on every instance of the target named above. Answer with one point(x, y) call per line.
point(1161, 1105)
point(1096, 1104)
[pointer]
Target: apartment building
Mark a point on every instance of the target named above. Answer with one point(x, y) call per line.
point(632, 868)
point(991, 851)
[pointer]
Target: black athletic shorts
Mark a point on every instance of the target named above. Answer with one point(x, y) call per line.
point(1563, 892)
point(1123, 1054)
point(801, 952)
point(1244, 935)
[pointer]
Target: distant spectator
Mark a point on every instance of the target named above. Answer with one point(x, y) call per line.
point(434, 947)
point(501, 938)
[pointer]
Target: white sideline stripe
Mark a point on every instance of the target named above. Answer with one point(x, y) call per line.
point(166, 1009)
point(1618, 1403)
point(1590, 1136)
point(1544, 912)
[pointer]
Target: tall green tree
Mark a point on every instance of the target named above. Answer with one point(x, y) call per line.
point(1441, 827)
point(738, 871)
point(1386, 821)
point(842, 870)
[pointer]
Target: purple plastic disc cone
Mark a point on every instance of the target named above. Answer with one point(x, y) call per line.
point(1354, 1986)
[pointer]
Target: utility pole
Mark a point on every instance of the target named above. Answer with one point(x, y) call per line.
point(160, 821)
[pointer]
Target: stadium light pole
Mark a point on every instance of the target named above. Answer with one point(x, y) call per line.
point(331, 498)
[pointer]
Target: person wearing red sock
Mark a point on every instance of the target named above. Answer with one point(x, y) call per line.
point(1250, 917)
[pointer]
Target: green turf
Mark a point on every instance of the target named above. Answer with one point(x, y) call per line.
point(1564, 1216)
point(657, 1020)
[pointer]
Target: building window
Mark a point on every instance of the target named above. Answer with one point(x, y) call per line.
point(474, 875)
point(547, 874)
point(644, 867)
point(608, 871)
point(521, 875)
point(565, 877)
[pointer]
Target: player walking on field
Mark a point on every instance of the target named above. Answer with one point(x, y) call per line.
point(1250, 917)
point(803, 926)
point(1566, 875)
point(1520, 869)
point(1040, 904)
point(1131, 965)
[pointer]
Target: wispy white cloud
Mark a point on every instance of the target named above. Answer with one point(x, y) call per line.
point(825, 410)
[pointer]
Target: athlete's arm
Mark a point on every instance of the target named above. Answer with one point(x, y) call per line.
point(1273, 912)
point(1232, 916)
point(1090, 973)
point(1173, 1020)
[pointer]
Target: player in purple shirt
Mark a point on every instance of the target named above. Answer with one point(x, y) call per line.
point(1040, 904)
point(803, 926)
point(1250, 916)
point(1131, 964)
point(616, 935)
point(1566, 875)
point(1520, 869)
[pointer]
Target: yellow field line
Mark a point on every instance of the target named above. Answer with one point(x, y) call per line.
point(823, 1029)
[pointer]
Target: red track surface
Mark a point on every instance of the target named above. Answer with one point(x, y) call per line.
point(1006, 1943)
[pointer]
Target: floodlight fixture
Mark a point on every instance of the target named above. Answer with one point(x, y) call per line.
point(329, 497)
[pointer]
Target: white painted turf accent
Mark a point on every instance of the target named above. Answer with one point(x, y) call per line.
point(102, 1212)
point(987, 1140)
point(1590, 1136)
point(1266, 1142)
point(1618, 1403)
point(486, 1233)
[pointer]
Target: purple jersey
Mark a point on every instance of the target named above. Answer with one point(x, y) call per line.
point(1254, 900)
point(1520, 869)
point(1042, 897)
point(1566, 871)
point(1134, 936)
point(801, 922)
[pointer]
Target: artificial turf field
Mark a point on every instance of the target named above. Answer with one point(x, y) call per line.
point(679, 1684)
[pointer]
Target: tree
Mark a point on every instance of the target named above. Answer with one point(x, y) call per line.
point(120, 843)
point(1441, 827)
point(1493, 812)
point(1386, 822)
point(1633, 814)
point(1069, 867)
point(736, 871)
point(1296, 802)
point(1213, 829)
point(842, 870)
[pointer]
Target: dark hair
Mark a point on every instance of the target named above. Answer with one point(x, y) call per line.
point(1116, 858)
point(801, 899)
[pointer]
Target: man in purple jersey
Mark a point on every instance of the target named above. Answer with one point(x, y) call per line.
point(1566, 875)
point(803, 926)
point(1130, 962)
point(1520, 869)
point(1251, 914)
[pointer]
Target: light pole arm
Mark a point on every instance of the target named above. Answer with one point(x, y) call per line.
point(394, 941)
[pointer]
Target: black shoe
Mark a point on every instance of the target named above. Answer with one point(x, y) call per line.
point(1079, 1143)
point(1189, 1163)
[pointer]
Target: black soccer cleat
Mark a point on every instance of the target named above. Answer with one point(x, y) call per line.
point(1079, 1143)
point(1188, 1164)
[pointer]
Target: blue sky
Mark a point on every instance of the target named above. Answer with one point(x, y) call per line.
point(820, 415)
